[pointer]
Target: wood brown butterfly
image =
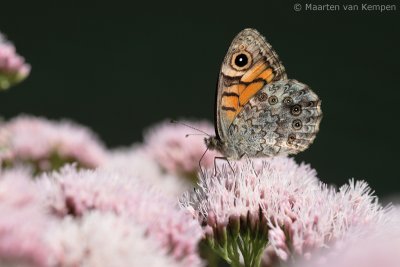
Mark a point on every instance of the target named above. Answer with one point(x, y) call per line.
point(259, 111)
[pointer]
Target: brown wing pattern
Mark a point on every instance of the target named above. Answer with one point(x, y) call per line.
point(249, 64)
point(283, 118)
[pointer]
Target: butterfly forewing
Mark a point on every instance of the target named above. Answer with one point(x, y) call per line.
point(249, 65)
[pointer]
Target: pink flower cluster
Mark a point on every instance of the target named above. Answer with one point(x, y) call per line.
point(271, 208)
point(169, 144)
point(105, 239)
point(65, 215)
point(136, 162)
point(367, 246)
point(91, 218)
point(13, 68)
point(283, 203)
point(324, 217)
point(47, 144)
point(78, 192)
point(23, 222)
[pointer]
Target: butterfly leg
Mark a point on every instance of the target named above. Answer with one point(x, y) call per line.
point(200, 167)
point(223, 158)
point(244, 154)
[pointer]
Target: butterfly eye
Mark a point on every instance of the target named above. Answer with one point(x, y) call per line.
point(272, 100)
point(291, 138)
point(288, 101)
point(262, 97)
point(241, 60)
point(297, 124)
point(296, 110)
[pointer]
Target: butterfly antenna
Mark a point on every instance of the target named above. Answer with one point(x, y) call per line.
point(191, 127)
point(193, 134)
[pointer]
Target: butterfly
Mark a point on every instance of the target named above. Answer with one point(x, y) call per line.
point(259, 111)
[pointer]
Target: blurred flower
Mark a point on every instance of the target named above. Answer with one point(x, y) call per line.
point(276, 201)
point(176, 152)
point(76, 193)
point(24, 222)
point(322, 217)
point(364, 246)
point(34, 234)
point(13, 68)
point(47, 145)
point(105, 239)
point(135, 162)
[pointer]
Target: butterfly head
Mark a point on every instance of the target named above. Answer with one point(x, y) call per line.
point(214, 143)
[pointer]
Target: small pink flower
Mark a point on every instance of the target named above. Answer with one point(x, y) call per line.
point(47, 144)
point(13, 68)
point(169, 145)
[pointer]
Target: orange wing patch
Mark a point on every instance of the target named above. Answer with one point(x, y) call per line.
point(267, 75)
point(250, 91)
point(230, 100)
point(254, 72)
point(236, 96)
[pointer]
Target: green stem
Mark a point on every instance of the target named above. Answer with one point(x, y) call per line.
point(248, 244)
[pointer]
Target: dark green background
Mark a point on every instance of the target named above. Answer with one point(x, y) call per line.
point(120, 67)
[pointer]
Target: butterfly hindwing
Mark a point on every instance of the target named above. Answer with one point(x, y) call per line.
point(282, 118)
point(249, 65)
